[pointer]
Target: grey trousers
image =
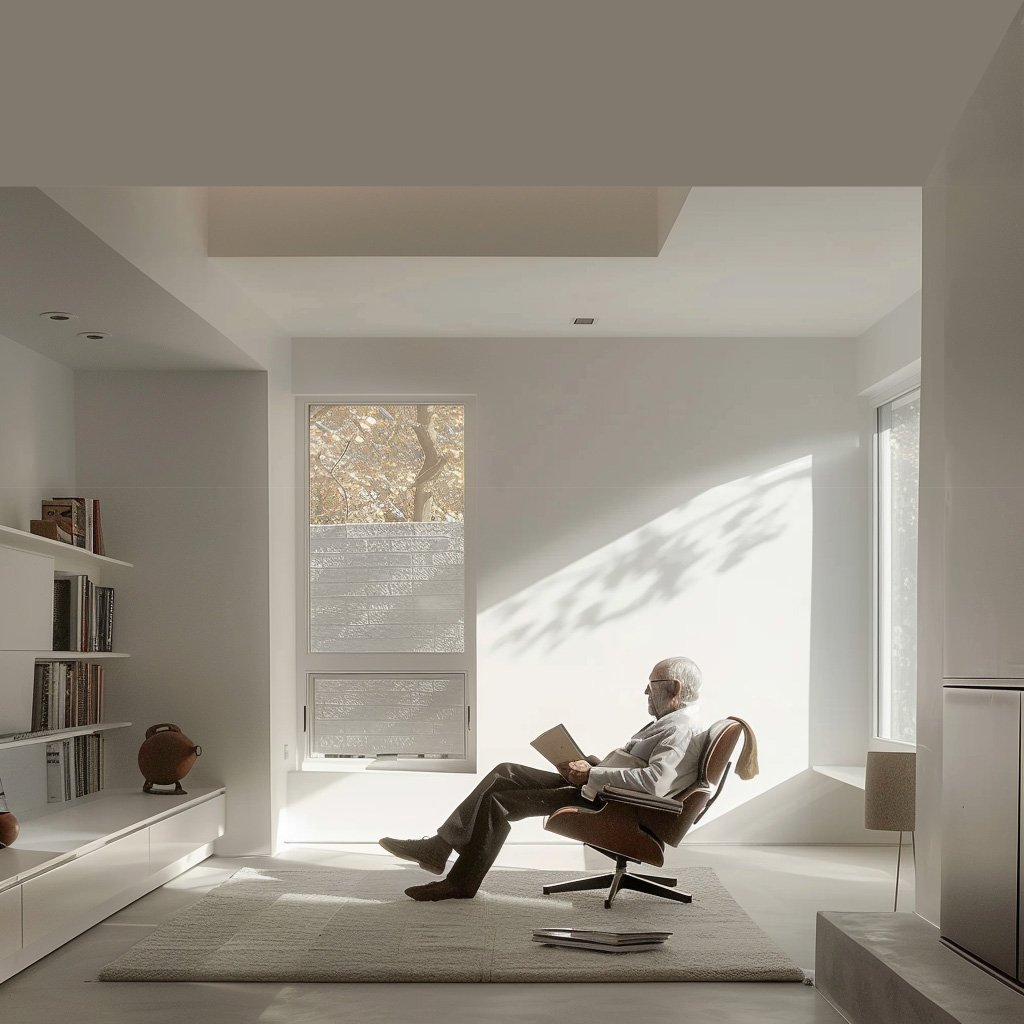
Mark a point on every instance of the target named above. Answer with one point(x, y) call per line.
point(478, 827)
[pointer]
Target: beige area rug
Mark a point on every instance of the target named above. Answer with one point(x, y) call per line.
point(317, 925)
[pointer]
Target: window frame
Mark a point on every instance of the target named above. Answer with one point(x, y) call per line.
point(309, 663)
point(904, 388)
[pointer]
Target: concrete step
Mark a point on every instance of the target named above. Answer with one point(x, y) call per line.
point(892, 969)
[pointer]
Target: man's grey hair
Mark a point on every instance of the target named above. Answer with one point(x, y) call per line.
point(686, 671)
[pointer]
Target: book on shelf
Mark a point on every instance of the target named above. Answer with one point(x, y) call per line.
point(98, 546)
point(82, 517)
point(83, 614)
point(67, 694)
point(74, 768)
point(51, 529)
point(70, 517)
point(78, 522)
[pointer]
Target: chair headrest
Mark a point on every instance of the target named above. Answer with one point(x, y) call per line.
point(723, 736)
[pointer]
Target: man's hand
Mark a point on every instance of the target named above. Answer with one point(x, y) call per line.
point(575, 773)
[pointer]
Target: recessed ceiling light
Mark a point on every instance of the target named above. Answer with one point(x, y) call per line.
point(57, 315)
point(584, 320)
point(94, 335)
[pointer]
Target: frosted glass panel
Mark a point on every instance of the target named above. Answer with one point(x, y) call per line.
point(387, 588)
point(386, 527)
point(898, 457)
point(378, 714)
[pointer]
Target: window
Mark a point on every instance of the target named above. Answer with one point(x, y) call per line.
point(897, 445)
point(387, 664)
point(376, 715)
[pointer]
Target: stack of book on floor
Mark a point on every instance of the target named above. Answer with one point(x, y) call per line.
point(602, 941)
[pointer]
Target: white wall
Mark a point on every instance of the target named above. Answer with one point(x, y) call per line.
point(37, 432)
point(163, 232)
point(282, 498)
point(37, 460)
point(180, 463)
point(972, 461)
point(889, 352)
point(638, 499)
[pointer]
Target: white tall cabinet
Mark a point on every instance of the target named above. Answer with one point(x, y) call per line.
point(982, 841)
point(982, 413)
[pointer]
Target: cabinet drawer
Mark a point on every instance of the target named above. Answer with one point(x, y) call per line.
point(63, 898)
point(10, 921)
point(179, 835)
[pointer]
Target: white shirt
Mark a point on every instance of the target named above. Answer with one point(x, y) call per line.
point(662, 758)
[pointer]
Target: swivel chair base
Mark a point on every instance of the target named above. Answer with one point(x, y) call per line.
point(653, 885)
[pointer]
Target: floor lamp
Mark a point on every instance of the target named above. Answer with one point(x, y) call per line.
point(890, 785)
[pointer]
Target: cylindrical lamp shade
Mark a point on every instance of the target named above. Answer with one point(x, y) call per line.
point(890, 791)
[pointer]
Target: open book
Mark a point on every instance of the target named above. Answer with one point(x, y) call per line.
point(558, 746)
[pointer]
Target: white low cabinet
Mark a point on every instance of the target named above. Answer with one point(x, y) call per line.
point(174, 838)
point(10, 922)
point(68, 875)
point(65, 897)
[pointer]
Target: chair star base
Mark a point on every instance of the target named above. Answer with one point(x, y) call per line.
point(652, 885)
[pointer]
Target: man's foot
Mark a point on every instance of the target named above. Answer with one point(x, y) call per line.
point(431, 853)
point(434, 891)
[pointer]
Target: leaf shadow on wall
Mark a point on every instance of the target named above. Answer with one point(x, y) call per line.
point(654, 565)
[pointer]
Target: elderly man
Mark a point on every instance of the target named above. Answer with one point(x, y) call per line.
point(662, 759)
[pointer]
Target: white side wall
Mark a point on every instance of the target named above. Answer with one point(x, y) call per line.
point(163, 232)
point(972, 461)
point(180, 463)
point(37, 460)
point(637, 499)
point(889, 352)
point(37, 432)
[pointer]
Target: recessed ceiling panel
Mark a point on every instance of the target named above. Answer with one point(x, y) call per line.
point(482, 221)
point(761, 262)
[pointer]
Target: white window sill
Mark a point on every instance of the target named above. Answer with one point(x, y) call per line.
point(877, 743)
point(349, 765)
point(850, 774)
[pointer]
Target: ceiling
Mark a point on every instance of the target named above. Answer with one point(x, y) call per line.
point(805, 128)
point(458, 92)
point(50, 262)
point(759, 262)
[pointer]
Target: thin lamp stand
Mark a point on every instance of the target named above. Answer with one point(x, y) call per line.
point(899, 853)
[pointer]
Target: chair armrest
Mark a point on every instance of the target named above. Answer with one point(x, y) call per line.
point(661, 804)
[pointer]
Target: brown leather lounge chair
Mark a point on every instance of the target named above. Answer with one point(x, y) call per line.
point(628, 833)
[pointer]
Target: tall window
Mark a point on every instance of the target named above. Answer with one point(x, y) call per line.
point(896, 487)
point(386, 582)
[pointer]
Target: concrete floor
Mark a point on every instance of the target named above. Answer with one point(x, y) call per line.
point(781, 887)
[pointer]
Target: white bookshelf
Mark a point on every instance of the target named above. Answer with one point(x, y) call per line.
point(28, 567)
point(77, 655)
point(74, 863)
point(67, 557)
point(51, 735)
